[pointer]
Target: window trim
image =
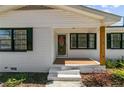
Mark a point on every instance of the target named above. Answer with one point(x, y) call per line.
point(111, 41)
point(12, 39)
point(95, 46)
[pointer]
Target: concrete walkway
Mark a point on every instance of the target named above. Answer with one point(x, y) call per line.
point(65, 84)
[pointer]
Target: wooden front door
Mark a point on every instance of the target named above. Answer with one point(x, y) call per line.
point(61, 45)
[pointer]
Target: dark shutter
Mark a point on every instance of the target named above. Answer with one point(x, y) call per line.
point(108, 41)
point(29, 39)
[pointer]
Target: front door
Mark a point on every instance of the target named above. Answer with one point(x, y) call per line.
point(61, 45)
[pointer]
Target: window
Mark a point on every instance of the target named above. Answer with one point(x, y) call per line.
point(15, 39)
point(83, 41)
point(5, 39)
point(115, 41)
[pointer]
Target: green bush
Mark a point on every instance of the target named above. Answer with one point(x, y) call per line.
point(12, 79)
point(110, 64)
point(118, 74)
point(115, 63)
point(120, 64)
point(12, 82)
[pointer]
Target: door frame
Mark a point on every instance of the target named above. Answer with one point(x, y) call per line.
point(56, 41)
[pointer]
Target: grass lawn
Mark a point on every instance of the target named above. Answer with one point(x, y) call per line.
point(23, 79)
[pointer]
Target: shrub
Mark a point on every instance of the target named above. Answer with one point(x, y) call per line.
point(12, 82)
point(110, 64)
point(115, 63)
point(14, 79)
point(118, 74)
point(120, 64)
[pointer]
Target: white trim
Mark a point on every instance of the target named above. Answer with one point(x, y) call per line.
point(77, 11)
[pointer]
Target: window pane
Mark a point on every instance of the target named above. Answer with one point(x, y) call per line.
point(73, 40)
point(115, 40)
point(5, 34)
point(91, 40)
point(122, 40)
point(20, 39)
point(82, 40)
point(5, 39)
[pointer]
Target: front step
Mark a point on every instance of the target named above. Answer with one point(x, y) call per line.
point(58, 70)
point(62, 72)
point(58, 73)
point(65, 84)
point(64, 77)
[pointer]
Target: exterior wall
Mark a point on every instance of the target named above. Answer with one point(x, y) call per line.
point(44, 52)
point(80, 53)
point(114, 53)
point(45, 26)
point(38, 60)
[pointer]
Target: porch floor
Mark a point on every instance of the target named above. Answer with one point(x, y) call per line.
point(82, 61)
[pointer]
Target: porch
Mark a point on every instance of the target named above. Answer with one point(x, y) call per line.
point(75, 61)
point(78, 45)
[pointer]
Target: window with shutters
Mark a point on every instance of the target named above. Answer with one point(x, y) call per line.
point(83, 41)
point(16, 39)
point(115, 41)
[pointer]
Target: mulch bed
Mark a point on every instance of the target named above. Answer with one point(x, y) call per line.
point(100, 80)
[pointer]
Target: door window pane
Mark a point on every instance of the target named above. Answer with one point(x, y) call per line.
point(61, 44)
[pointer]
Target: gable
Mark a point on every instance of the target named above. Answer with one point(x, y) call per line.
point(77, 14)
point(46, 18)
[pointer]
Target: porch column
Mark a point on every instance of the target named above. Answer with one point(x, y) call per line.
point(102, 45)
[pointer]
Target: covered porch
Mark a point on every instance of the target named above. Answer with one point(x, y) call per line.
point(79, 41)
point(90, 51)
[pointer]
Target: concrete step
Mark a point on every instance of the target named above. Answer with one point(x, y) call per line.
point(64, 77)
point(64, 84)
point(58, 70)
point(93, 69)
point(69, 76)
point(64, 65)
